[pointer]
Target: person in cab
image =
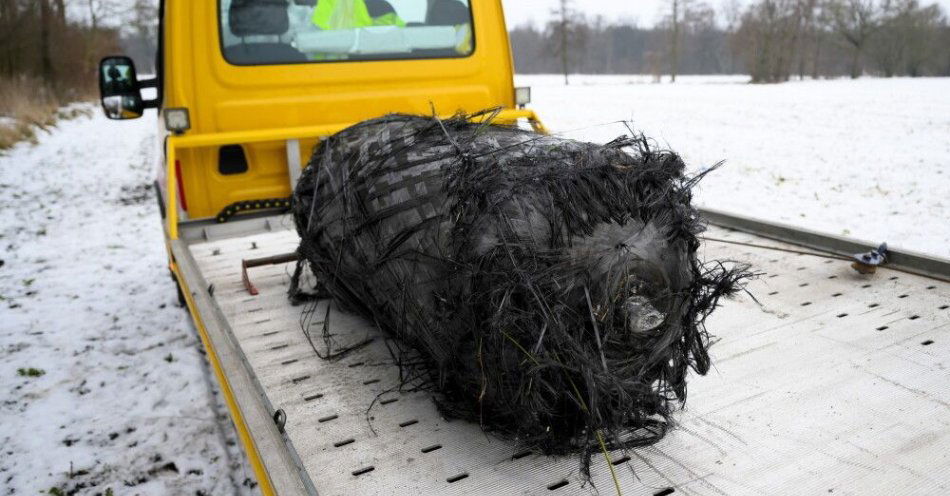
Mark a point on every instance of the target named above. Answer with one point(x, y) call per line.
point(350, 14)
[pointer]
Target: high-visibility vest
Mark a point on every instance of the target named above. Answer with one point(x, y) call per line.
point(349, 14)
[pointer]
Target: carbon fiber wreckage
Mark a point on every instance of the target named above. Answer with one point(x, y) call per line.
point(546, 288)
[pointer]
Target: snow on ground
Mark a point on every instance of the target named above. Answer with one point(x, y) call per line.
point(102, 382)
point(868, 159)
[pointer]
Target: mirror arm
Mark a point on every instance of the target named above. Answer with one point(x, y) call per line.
point(149, 83)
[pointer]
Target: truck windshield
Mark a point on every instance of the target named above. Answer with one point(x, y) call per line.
point(263, 32)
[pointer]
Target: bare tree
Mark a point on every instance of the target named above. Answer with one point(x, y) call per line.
point(732, 13)
point(674, 39)
point(942, 60)
point(54, 54)
point(98, 10)
point(143, 21)
point(699, 38)
point(923, 38)
point(805, 35)
point(10, 36)
point(568, 31)
point(855, 21)
point(767, 38)
point(60, 11)
point(46, 59)
point(686, 18)
point(772, 40)
point(563, 42)
point(822, 36)
point(888, 47)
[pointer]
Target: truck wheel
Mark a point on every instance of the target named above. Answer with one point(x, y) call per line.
point(181, 296)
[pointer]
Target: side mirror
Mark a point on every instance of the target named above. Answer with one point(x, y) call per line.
point(119, 88)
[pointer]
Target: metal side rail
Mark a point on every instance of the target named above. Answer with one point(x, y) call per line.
point(276, 465)
point(830, 382)
point(900, 259)
point(291, 138)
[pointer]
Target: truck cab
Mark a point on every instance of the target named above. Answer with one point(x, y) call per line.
point(246, 88)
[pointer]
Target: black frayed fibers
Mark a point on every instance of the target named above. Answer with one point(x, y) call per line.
point(545, 288)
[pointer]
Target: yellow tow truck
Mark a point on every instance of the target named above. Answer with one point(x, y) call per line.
point(244, 91)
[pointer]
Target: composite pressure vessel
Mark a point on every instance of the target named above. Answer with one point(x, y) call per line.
point(549, 289)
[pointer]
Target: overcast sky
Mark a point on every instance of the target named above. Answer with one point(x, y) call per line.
point(644, 12)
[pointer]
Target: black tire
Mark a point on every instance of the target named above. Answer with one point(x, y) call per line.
point(158, 197)
point(181, 296)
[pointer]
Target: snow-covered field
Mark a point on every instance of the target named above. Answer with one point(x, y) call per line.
point(868, 159)
point(102, 381)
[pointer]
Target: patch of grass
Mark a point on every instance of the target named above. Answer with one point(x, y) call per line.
point(11, 135)
point(29, 104)
point(30, 372)
point(66, 114)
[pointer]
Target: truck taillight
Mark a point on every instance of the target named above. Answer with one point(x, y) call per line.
point(181, 186)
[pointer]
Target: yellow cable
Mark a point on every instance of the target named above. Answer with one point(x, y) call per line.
point(610, 465)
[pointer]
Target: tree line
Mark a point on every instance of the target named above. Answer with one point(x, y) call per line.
point(772, 40)
point(57, 44)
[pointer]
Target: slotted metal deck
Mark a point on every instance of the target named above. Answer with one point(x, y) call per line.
point(837, 383)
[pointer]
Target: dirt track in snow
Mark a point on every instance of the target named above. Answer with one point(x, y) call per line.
point(119, 396)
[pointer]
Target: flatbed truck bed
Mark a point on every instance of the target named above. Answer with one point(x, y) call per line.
point(826, 382)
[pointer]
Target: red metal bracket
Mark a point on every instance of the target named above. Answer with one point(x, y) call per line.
point(258, 262)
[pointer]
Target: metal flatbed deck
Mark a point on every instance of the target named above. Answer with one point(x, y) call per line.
point(836, 384)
